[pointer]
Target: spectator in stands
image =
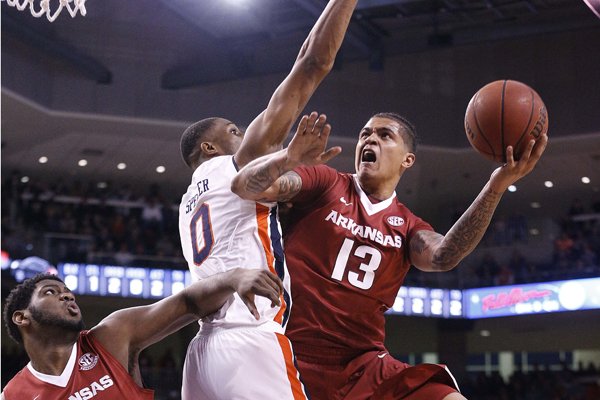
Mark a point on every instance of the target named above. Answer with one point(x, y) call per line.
point(562, 247)
point(488, 268)
point(504, 276)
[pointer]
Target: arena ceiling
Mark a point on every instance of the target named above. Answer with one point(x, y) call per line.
point(192, 44)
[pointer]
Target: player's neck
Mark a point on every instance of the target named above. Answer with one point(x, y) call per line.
point(50, 356)
point(377, 191)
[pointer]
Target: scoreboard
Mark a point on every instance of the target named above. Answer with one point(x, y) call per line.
point(426, 302)
point(498, 301)
point(109, 280)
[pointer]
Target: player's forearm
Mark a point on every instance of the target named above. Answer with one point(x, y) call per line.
point(467, 232)
point(208, 295)
point(326, 37)
point(258, 176)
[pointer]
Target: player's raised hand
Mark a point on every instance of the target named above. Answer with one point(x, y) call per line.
point(513, 170)
point(250, 282)
point(308, 144)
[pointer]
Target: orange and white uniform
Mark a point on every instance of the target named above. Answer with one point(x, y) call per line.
point(235, 356)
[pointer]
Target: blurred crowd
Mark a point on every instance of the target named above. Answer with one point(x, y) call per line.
point(101, 224)
point(540, 383)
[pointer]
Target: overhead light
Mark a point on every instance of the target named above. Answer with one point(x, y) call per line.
point(548, 184)
point(485, 333)
point(535, 204)
point(121, 165)
point(534, 232)
point(102, 185)
point(512, 188)
point(24, 179)
point(43, 160)
point(82, 162)
point(585, 179)
point(160, 169)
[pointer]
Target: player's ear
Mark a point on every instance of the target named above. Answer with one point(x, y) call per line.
point(409, 160)
point(208, 148)
point(21, 318)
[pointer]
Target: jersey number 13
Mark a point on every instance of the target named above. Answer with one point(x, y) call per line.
point(369, 268)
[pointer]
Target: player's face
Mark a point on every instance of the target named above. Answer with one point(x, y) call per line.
point(53, 305)
point(381, 151)
point(228, 137)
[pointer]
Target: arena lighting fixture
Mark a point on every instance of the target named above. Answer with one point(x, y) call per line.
point(548, 184)
point(534, 232)
point(160, 169)
point(236, 2)
point(102, 185)
point(485, 333)
point(512, 188)
point(121, 165)
point(43, 160)
point(82, 162)
point(535, 204)
point(585, 179)
point(24, 179)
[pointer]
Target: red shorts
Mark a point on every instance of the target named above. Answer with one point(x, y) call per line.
point(373, 375)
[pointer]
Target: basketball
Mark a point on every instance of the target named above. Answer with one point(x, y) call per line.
point(504, 113)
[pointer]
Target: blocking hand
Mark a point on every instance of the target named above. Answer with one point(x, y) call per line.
point(308, 144)
point(250, 282)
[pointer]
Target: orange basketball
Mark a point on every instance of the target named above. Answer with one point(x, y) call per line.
point(504, 113)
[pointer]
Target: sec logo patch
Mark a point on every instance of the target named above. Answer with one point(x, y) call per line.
point(395, 221)
point(88, 361)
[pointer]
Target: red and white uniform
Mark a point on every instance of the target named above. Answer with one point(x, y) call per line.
point(348, 258)
point(234, 355)
point(91, 373)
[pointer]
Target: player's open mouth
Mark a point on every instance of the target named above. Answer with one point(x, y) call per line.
point(368, 156)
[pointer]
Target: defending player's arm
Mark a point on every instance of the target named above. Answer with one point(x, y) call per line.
point(268, 131)
point(270, 178)
point(126, 332)
point(431, 251)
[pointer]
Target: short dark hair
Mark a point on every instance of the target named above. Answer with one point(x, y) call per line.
point(19, 299)
point(192, 135)
point(411, 131)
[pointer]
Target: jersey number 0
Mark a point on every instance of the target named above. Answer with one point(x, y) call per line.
point(202, 235)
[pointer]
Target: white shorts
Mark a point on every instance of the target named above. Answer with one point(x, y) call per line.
point(241, 363)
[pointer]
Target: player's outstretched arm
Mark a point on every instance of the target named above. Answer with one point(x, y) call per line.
point(431, 251)
point(126, 332)
point(270, 178)
point(315, 60)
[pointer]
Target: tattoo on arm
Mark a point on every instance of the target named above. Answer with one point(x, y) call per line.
point(467, 231)
point(289, 186)
point(263, 177)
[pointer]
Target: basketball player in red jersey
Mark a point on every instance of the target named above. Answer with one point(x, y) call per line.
point(70, 363)
point(349, 245)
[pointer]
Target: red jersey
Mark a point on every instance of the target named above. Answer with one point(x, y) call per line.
point(347, 258)
point(91, 373)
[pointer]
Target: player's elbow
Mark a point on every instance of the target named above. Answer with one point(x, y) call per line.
point(316, 66)
point(238, 186)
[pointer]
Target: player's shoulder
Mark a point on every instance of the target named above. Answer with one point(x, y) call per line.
point(216, 163)
point(21, 379)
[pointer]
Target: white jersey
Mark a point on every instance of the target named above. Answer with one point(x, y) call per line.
point(221, 231)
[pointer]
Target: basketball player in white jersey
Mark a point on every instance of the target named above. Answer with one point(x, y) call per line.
point(235, 356)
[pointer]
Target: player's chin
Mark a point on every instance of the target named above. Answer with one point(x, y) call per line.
point(366, 167)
